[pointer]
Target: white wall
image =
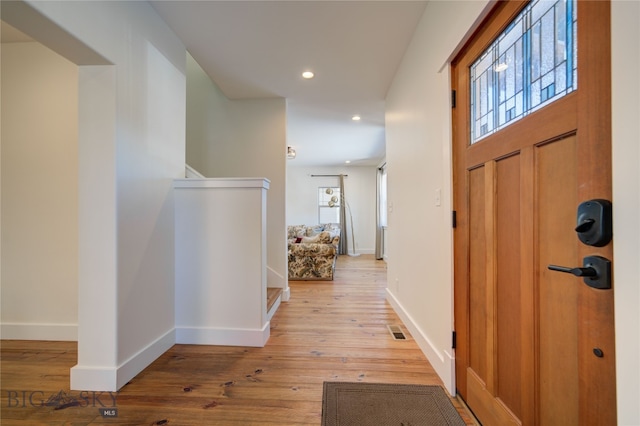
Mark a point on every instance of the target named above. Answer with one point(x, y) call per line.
point(241, 138)
point(131, 147)
point(420, 280)
point(207, 117)
point(418, 160)
point(359, 188)
point(625, 21)
point(39, 194)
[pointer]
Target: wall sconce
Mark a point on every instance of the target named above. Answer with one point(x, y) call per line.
point(291, 153)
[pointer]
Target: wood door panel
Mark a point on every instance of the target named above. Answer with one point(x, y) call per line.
point(489, 409)
point(557, 293)
point(528, 305)
point(508, 293)
point(491, 260)
point(477, 273)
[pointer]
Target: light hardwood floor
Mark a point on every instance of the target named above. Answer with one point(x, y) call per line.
point(328, 331)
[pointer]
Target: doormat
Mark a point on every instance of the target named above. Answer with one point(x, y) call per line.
point(381, 404)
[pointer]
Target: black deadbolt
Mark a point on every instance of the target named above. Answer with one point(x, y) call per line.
point(595, 227)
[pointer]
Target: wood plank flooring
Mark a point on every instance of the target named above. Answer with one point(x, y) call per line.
point(328, 331)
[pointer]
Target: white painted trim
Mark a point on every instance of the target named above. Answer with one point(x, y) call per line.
point(109, 379)
point(365, 251)
point(99, 379)
point(286, 294)
point(191, 173)
point(274, 308)
point(143, 358)
point(443, 364)
point(28, 331)
point(222, 183)
point(274, 279)
point(450, 361)
point(223, 336)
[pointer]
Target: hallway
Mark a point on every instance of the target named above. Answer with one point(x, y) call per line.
point(328, 331)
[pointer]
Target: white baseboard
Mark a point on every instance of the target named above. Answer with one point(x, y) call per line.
point(99, 379)
point(223, 336)
point(444, 364)
point(360, 251)
point(110, 379)
point(286, 294)
point(365, 251)
point(27, 331)
point(143, 358)
point(450, 360)
point(274, 308)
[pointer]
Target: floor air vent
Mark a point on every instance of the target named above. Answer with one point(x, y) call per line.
point(396, 332)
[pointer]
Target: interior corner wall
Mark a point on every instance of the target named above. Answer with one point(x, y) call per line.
point(39, 194)
point(418, 152)
point(241, 138)
point(138, 105)
point(360, 190)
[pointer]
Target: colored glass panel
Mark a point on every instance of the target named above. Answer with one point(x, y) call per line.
point(531, 64)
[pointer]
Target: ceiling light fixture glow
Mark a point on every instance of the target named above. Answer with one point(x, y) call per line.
point(307, 75)
point(501, 67)
point(356, 118)
point(348, 161)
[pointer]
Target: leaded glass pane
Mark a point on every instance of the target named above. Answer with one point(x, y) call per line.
point(531, 64)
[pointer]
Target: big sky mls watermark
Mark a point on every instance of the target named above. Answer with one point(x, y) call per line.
point(105, 402)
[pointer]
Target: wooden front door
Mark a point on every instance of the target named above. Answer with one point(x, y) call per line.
point(534, 346)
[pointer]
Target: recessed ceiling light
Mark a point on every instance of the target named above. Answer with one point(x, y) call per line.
point(348, 161)
point(356, 118)
point(307, 74)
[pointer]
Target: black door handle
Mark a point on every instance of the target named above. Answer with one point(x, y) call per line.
point(596, 271)
point(578, 272)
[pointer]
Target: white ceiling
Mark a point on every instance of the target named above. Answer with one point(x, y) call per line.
point(258, 49)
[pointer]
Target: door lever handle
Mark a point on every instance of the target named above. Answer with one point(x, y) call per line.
point(578, 272)
point(596, 271)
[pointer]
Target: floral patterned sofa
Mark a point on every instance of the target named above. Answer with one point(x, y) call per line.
point(312, 251)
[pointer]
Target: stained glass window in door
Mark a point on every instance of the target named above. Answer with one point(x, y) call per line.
point(530, 64)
